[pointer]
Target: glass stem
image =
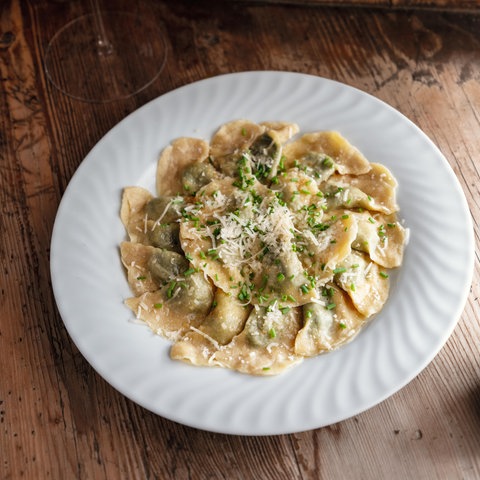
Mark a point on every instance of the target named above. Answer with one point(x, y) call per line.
point(104, 45)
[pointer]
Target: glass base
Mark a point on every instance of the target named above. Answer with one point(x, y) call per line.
point(88, 66)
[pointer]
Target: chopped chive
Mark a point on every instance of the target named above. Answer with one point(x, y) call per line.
point(189, 271)
point(384, 275)
point(342, 325)
point(308, 314)
point(305, 288)
point(280, 277)
point(272, 333)
point(244, 294)
point(371, 220)
point(284, 310)
point(330, 306)
point(262, 298)
point(327, 162)
point(327, 291)
point(142, 277)
point(171, 287)
point(157, 305)
point(213, 254)
point(339, 270)
point(352, 287)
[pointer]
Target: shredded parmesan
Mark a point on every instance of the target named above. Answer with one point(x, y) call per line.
point(159, 219)
point(145, 220)
point(318, 301)
point(367, 269)
point(208, 337)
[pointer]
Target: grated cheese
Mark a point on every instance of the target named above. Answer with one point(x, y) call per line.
point(159, 219)
point(208, 337)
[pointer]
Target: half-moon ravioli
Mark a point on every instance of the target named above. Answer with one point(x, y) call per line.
point(374, 190)
point(346, 158)
point(328, 323)
point(364, 281)
point(182, 153)
point(167, 315)
point(381, 236)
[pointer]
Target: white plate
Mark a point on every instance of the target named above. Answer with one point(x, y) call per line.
point(428, 292)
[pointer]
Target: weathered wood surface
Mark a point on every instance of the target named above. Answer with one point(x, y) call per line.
point(447, 5)
point(58, 418)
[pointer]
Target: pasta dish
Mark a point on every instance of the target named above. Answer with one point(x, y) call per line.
point(262, 246)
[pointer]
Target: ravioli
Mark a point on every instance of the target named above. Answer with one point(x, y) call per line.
point(335, 149)
point(261, 249)
point(182, 153)
point(328, 323)
point(373, 190)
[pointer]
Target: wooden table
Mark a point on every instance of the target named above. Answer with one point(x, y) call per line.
point(58, 418)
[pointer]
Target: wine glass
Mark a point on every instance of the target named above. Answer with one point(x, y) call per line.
point(101, 57)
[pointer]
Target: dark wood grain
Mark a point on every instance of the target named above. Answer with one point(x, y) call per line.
point(58, 418)
point(438, 5)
